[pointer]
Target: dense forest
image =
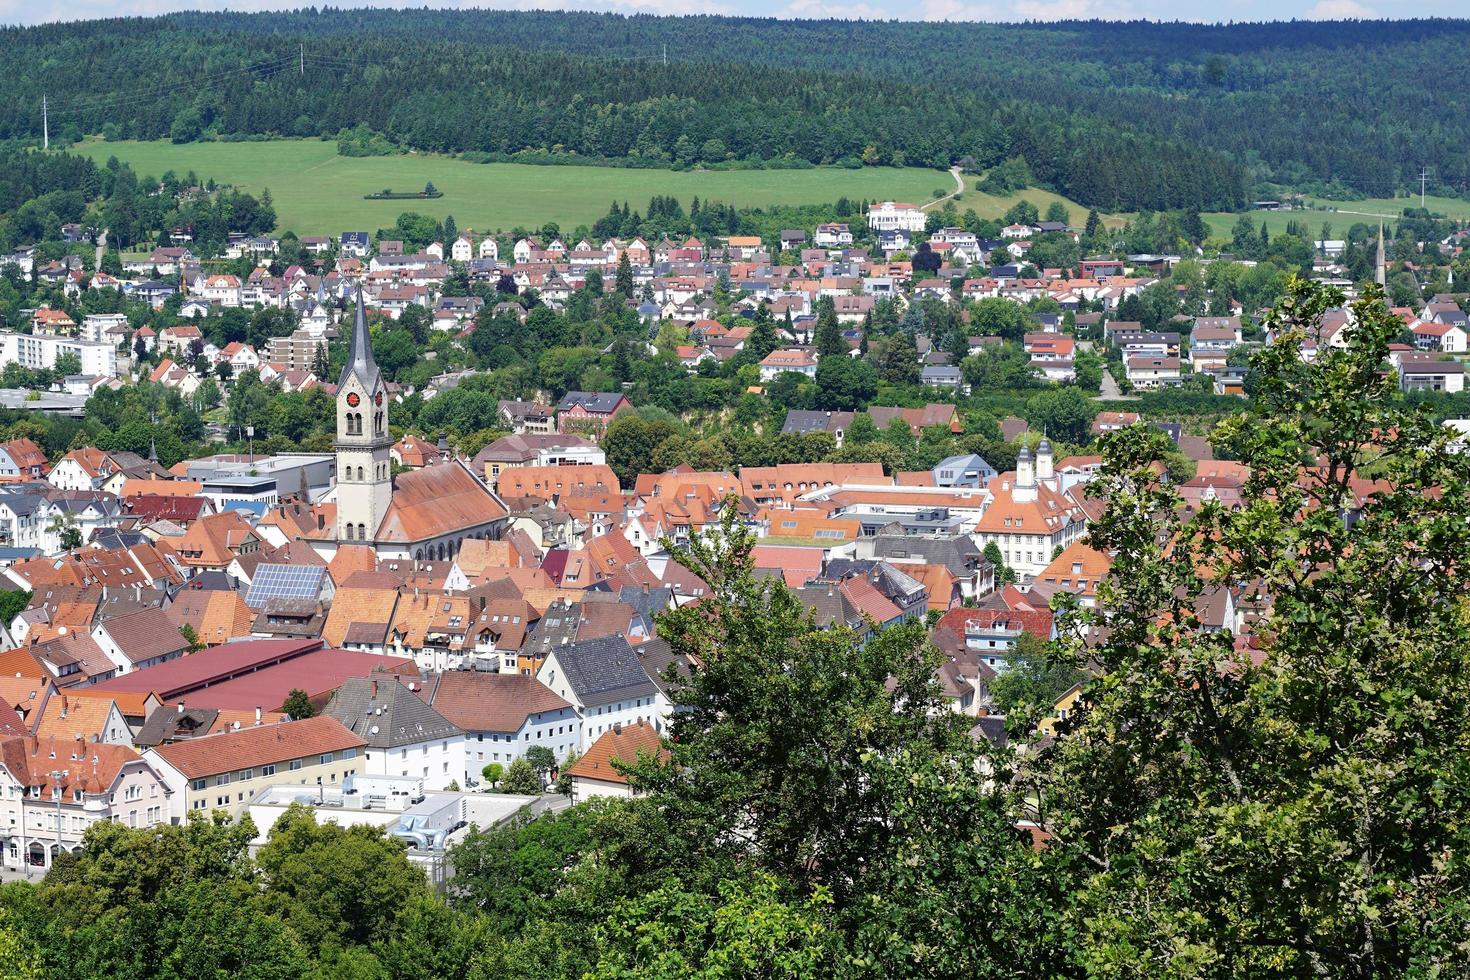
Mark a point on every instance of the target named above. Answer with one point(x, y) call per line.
point(1121, 116)
point(188, 78)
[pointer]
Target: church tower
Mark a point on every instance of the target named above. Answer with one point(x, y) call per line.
point(1380, 266)
point(364, 483)
point(1025, 489)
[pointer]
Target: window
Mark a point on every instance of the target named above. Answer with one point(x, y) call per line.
point(223, 779)
point(349, 753)
point(267, 770)
point(295, 764)
point(326, 758)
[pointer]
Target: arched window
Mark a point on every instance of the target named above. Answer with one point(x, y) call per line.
point(359, 474)
point(362, 532)
point(347, 532)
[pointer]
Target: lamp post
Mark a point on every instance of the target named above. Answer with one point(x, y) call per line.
point(56, 777)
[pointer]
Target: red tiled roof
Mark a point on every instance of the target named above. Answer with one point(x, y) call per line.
point(252, 747)
point(623, 744)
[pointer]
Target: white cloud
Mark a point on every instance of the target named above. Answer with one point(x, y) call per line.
point(1340, 10)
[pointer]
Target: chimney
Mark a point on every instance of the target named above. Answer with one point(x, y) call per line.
point(257, 714)
point(181, 707)
point(375, 688)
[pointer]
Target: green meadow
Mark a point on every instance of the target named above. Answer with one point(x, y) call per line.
point(318, 192)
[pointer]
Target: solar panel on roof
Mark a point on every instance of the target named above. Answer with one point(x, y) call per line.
point(284, 582)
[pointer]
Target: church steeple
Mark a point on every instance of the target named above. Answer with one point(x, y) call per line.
point(360, 351)
point(1380, 267)
point(364, 478)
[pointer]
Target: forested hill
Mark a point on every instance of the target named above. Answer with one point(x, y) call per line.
point(1120, 116)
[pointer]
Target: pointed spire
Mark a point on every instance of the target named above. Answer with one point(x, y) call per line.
point(360, 351)
point(1380, 269)
point(152, 449)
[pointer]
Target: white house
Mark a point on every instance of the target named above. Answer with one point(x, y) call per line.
point(793, 360)
point(1152, 372)
point(604, 680)
point(503, 715)
point(223, 290)
point(1448, 338)
point(404, 735)
point(140, 639)
point(890, 216)
point(832, 235)
point(597, 773)
point(41, 351)
point(489, 249)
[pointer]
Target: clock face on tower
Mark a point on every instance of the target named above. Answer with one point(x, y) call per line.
point(378, 399)
point(352, 399)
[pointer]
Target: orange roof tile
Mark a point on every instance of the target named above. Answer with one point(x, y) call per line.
point(252, 747)
point(621, 745)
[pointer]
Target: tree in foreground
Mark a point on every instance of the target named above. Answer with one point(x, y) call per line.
point(1289, 801)
point(824, 759)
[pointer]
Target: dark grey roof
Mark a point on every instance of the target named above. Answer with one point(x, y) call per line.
point(802, 421)
point(891, 580)
point(360, 352)
point(958, 553)
point(657, 658)
point(386, 713)
point(603, 670)
point(829, 607)
point(647, 601)
point(592, 401)
point(22, 503)
point(167, 724)
point(992, 728)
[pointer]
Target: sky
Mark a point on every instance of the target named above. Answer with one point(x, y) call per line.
point(40, 11)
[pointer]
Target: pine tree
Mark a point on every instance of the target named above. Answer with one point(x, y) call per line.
point(451, 231)
point(1094, 224)
point(763, 339)
point(828, 337)
point(623, 285)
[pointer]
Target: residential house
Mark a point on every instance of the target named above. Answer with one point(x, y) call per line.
point(404, 735)
point(589, 413)
point(604, 680)
point(502, 715)
point(598, 772)
point(52, 790)
point(140, 639)
point(891, 215)
point(796, 360)
point(224, 771)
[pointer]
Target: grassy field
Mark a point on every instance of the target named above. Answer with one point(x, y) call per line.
point(1341, 215)
point(318, 192)
point(995, 205)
